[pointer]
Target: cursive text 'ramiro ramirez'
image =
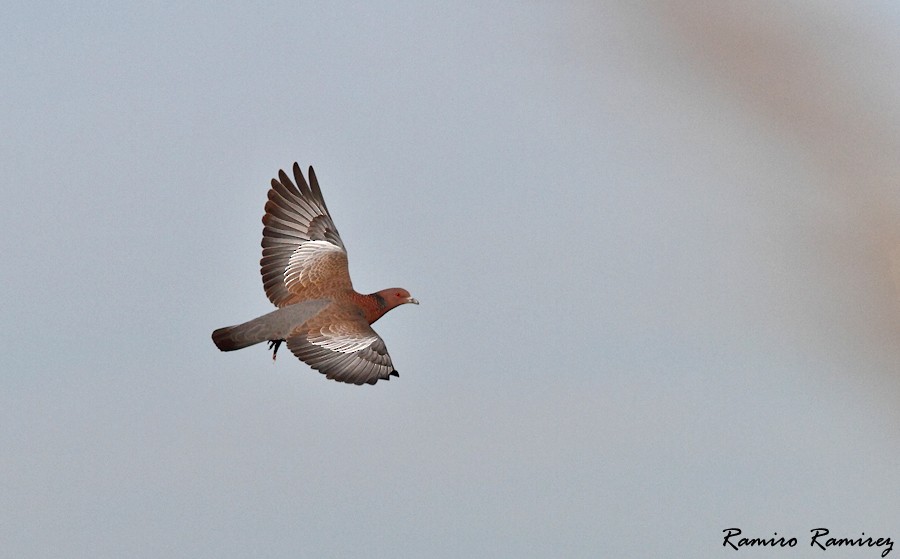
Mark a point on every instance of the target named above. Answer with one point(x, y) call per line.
point(819, 539)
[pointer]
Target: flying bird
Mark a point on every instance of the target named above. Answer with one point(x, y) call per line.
point(320, 317)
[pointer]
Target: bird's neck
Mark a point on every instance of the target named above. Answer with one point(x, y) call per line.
point(373, 305)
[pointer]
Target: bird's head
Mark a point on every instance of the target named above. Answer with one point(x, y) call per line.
point(396, 296)
point(387, 299)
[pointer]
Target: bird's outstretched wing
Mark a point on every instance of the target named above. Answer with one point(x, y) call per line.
point(340, 344)
point(303, 256)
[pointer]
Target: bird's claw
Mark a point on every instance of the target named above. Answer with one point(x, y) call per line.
point(274, 345)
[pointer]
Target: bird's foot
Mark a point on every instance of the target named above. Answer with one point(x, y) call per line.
point(274, 345)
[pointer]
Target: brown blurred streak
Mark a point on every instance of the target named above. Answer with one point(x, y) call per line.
point(768, 55)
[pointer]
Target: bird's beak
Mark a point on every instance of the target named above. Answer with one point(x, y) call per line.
point(413, 300)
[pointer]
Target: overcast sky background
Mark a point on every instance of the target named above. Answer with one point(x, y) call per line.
point(657, 250)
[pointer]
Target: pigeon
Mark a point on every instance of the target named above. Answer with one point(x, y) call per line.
point(320, 317)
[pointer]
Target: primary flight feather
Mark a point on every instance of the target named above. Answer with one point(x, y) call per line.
point(320, 317)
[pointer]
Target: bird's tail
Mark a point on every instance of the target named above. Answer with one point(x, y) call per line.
point(243, 335)
point(277, 325)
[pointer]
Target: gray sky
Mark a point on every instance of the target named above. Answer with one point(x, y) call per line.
point(657, 251)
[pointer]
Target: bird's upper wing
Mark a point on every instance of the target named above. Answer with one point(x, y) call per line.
point(303, 256)
point(339, 343)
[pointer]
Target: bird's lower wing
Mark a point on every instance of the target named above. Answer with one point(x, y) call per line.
point(345, 349)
